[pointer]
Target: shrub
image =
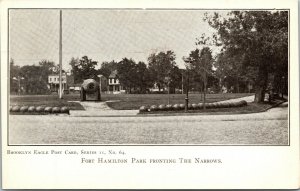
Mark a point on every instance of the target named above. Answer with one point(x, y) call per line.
point(244, 103)
point(31, 109)
point(15, 108)
point(236, 104)
point(48, 109)
point(176, 107)
point(231, 104)
point(24, 109)
point(162, 107)
point(200, 105)
point(169, 107)
point(40, 108)
point(225, 104)
point(65, 110)
point(56, 110)
point(195, 106)
point(143, 109)
point(10, 108)
point(182, 106)
point(153, 108)
point(213, 105)
point(190, 106)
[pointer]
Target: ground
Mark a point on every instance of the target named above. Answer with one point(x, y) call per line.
point(266, 128)
point(120, 101)
point(99, 124)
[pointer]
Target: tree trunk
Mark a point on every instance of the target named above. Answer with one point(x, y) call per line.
point(204, 91)
point(237, 85)
point(261, 84)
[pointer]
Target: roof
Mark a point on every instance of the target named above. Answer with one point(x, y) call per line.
point(114, 74)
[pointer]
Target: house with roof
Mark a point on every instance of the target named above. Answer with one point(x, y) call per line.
point(114, 85)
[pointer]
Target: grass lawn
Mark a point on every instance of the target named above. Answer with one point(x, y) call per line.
point(47, 100)
point(134, 101)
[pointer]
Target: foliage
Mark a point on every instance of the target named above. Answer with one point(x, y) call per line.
point(14, 75)
point(107, 68)
point(83, 68)
point(199, 63)
point(32, 79)
point(161, 66)
point(127, 73)
point(257, 39)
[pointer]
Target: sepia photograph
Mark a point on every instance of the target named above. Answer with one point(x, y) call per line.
point(139, 77)
point(146, 94)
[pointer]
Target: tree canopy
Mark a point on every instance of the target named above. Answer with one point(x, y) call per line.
point(257, 39)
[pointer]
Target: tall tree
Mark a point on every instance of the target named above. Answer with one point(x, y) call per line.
point(200, 64)
point(14, 77)
point(83, 68)
point(259, 39)
point(127, 73)
point(107, 68)
point(142, 76)
point(160, 67)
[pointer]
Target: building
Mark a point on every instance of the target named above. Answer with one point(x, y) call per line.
point(114, 85)
point(67, 82)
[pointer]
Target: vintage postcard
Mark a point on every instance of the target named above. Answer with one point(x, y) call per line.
point(150, 95)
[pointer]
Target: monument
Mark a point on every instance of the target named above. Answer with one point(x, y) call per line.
point(90, 91)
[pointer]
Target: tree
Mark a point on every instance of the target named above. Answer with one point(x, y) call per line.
point(160, 67)
point(127, 73)
point(230, 72)
point(83, 68)
point(107, 68)
point(14, 77)
point(34, 82)
point(200, 64)
point(259, 39)
point(142, 76)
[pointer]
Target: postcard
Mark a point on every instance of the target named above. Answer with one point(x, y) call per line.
point(150, 94)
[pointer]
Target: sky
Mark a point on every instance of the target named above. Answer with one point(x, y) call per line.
point(103, 35)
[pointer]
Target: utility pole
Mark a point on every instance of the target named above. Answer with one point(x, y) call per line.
point(60, 54)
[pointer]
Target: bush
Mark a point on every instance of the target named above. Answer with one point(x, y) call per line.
point(56, 110)
point(162, 107)
point(65, 110)
point(40, 109)
point(153, 108)
point(10, 108)
point(169, 107)
point(31, 109)
point(200, 105)
point(24, 109)
point(213, 105)
point(143, 109)
point(244, 103)
point(190, 106)
point(195, 106)
point(182, 106)
point(225, 104)
point(231, 104)
point(15, 108)
point(176, 107)
point(48, 109)
point(236, 104)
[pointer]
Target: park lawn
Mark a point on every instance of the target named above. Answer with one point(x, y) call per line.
point(47, 100)
point(135, 101)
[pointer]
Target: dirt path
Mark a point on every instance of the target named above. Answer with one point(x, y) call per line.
point(100, 109)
